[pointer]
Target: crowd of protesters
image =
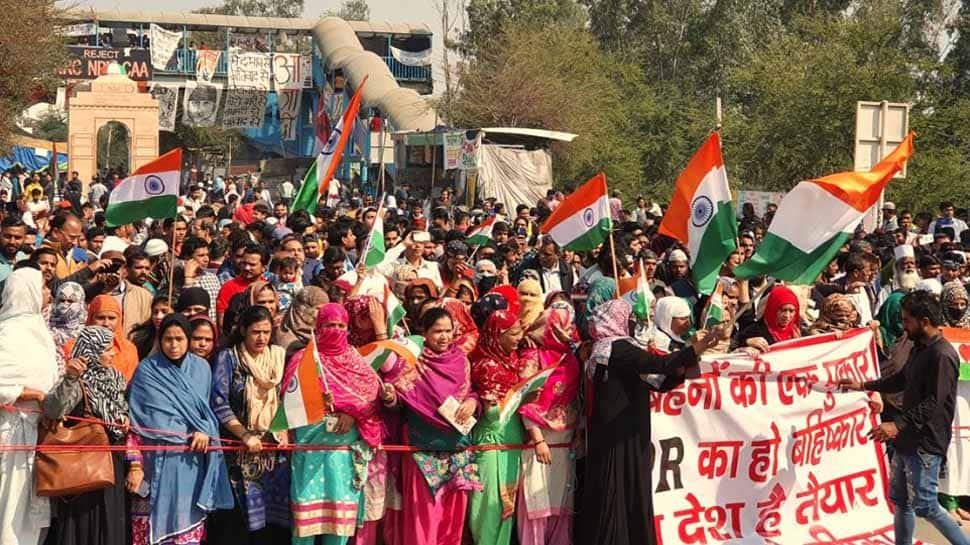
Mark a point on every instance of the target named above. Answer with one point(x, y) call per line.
point(179, 335)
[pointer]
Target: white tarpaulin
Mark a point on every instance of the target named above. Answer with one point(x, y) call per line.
point(514, 176)
point(412, 58)
point(164, 42)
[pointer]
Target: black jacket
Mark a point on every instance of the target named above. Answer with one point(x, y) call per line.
point(929, 385)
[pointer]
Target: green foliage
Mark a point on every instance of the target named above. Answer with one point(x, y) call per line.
point(352, 10)
point(258, 8)
point(51, 126)
point(31, 52)
point(488, 20)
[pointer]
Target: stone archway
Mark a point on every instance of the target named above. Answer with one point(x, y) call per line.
point(112, 98)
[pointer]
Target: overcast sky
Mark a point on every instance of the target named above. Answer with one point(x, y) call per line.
point(395, 11)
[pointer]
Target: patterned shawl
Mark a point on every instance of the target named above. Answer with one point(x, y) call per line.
point(105, 385)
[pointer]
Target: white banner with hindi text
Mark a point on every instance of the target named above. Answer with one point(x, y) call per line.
point(250, 70)
point(244, 109)
point(768, 451)
point(163, 45)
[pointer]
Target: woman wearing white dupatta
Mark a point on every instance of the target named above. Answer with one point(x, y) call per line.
point(28, 370)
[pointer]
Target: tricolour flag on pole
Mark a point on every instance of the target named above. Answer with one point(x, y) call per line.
point(714, 312)
point(582, 220)
point(152, 191)
point(408, 348)
point(701, 214)
point(636, 291)
point(328, 160)
point(376, 247)
point(481, 233)
point(817, 217)
point(375, 285)
point(302, 402)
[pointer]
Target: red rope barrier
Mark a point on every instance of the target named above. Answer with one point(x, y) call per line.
point(238, 447)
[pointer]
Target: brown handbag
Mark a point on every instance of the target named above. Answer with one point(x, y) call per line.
point(70, 473)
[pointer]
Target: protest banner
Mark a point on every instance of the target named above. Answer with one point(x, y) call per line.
point(91, 62)
point(287, 71)
point(412, 58)
point(288, 104)
point(956, 482)
point(768, 450)
point(167, 96)
point(200, 104)
point(206, 61)
point(243, 109)
point(471, 151)
point(248, 70)
point(306, 68)
point(452, 149)
point(163, 45)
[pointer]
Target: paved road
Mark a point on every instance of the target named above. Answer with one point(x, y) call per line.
point(926, 532)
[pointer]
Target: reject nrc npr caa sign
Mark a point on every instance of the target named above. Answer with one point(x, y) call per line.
point(90, 62)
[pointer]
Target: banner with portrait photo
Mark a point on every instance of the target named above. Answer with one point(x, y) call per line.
point(767, 450)
point(249, 70)
point(167, 95)
point(163, 45)
point(244, 109)
point(200, 104)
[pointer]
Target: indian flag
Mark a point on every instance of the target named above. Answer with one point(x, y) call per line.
point(302, 401)
point(482, 233)
point(701, 214)
point(817, 217)
point(582, 221)
point(517, 394)
point(408, 348)
point(714, 313)
point(376, 247)
point(636, 291)
point(318, 176)
point(152, 191)
point(375, 284)
point(960, 340)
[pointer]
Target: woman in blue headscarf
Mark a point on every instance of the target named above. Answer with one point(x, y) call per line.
point(175, 489)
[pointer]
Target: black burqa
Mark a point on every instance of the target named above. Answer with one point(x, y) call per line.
point(616, 506)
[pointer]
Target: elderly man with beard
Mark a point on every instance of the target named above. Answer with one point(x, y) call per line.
point(904, 274)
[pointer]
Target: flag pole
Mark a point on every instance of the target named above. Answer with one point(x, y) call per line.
point(380, 158)
point(616, 270)
point(171, 263)
point(370, 236)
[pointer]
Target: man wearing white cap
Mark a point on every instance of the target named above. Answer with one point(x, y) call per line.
point(905, 275)
point(889, 221)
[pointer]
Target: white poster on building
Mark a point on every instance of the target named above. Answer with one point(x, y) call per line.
point(288, 103)
point(206, 62)
point(200, 105)
point(471, 152)
point(244, 109)
point(163, 45)
point(306, 62)
point(412, 58)
point(452, 149)
point(167, 95)
point(249, 70)
point(287, 71)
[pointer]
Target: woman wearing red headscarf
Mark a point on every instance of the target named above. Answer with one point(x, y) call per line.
point(497, 366)
point(778, 323)
point(105, 311)
point(326, 486)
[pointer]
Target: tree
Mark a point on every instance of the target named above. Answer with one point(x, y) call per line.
point(258, 8)
point(352, 10)
point(51, 126)
point(530, 79)
point(488, 19)
point(31, 52)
